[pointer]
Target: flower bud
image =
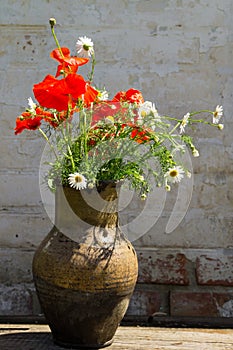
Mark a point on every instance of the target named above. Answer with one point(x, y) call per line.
point(143, 197)
point(52, 22)
point(195, 153)
point(220, 126)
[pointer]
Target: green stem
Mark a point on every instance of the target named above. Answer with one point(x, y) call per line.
point(55, 39)
point(166, 117)
point(91, 75)
point(202, 121)
point(175, 127)
point(71, 157)
point(68, 141)
point(202, 111)
point(83, 128)
point(49, 143)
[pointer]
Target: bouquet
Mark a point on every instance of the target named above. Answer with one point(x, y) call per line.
point(95, 138)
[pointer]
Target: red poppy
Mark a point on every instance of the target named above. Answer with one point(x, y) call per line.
point(49, 93)
point(76, 86)
point(120, 96)
point(31, 124)
point(134, 96)
point(68, 64)
point(90, 95)
point(106, 109)
point(131, 96)
point(61, 54)
point(26, 115)
point(42, 113)
point(53, 119)
point(53, 93)
point(139, 135)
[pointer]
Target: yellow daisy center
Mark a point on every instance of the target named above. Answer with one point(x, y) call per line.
point(86, 47)
point(78, 178)
point(173, 173)
point(109, 117)
point(143, 114)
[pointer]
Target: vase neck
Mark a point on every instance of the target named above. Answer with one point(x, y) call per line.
point(96, 207)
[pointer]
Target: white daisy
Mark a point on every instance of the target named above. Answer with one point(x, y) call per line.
point(77, 181)
point(217, 114)
point(148, 108)
point(184, 122)
point(174, 174)
point(31, 104)
point(103, 95)
point(84, 47)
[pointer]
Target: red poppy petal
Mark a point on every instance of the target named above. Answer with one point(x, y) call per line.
point(90, 95)
point(63, 55)
point(134, 96)
point(104, 109)
point(70, 65)
point(67, 63)
point(31, 124)
point(26, 115)
point(20, 126)
point(75, 85)
point(76, 61)
point(57, 55)
point(34, 123)
point(52, 93)
point(59, 69)
point(120, 96)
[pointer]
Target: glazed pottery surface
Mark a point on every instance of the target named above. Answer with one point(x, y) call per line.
point(85, 270)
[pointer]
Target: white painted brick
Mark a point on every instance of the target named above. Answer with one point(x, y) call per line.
point(16, 265)
point(11, 79)
point(19, 189)
point(24, 229)
point(28, 151)
point(198, 229)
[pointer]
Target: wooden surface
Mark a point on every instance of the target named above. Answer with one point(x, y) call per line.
point(38, 337)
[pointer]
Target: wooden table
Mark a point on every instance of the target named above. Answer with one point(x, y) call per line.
point(38, 337)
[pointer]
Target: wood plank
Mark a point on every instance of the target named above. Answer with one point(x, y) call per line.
point(169, 338)
point(38, 337)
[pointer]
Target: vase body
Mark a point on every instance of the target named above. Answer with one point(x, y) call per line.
point(85, 270)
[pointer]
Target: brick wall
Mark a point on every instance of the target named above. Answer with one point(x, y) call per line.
point(179, 54)
point(187, 283)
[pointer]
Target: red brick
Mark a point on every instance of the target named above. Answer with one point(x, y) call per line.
point(192, 304)
point(214, 270)
point(162, 268)
point(201, 304)
point(144, 303)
